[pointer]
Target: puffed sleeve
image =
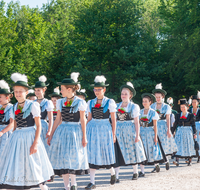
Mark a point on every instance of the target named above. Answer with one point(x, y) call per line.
point(35, 109)
point(50, 105)
point(88, 106)
point(82, 105)
point(135, 112)
point(112, 106)
point(58, 104)
point(169, 110)
point(155, 116)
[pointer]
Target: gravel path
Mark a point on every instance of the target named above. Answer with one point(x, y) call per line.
point(177, 178)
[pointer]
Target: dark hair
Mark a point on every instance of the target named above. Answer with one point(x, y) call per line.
point(149, 98)
point(58, 97)
point(73, 87)
point(9, 96)
point(160, 93)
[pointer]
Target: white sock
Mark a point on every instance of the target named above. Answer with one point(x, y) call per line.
point(43, 187)
point(73, 179)
point(92, 175)
point(135, 169)
point(66, 181)
point(112, 171)
point(142, 168)
point(167, 159)
point(117, 172)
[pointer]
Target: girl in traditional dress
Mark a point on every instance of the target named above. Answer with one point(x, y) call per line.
point(100, 133)
point(129, 149)
point(196, 112)
point(24, 163)
point(46, 107)
point(184, 126)
point(31, 95)
point(67, 151)
point(163, 125)
point(149, 134)
point(54, 97)
point(6, 109)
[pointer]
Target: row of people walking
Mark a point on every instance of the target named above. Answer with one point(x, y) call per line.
point(40, 138)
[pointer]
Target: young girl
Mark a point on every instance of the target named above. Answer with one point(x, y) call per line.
point(24, 163)
point(100, 133)
point(148, 132)
point(67, 152)
point(6, 122)
point(131, 150)
point(54, 97)
point(31, 95)
point(185, 128)
point(196, 112)
point(46, 107)
point(164, 129)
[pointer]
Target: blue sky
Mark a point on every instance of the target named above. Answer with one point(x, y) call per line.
point(31, 3)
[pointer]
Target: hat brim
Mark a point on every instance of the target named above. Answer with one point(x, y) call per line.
point(75, 83)
point(81, 94)
point(159, 90)
point(99, 85)
point(29, 87)
point(40, 86)
point(130, 88)
point(55, 95)
point(150, 95)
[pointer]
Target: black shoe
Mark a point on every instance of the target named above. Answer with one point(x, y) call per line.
point(113, 179)
point(73, 187)
point(167, 166)
point(154, 170)
point(198, 160)
point(117, 181)
point(135, 176)
point(90, 186)
point(176, 163)
point(141, 174)
point(157, 168)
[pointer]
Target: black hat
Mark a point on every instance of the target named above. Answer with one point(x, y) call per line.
point(182, 102)
point(196, 97)
point(56, 93)
point(20, 80)
point(4, 88)
point(159, 89)
point(41, 83)
point(99, 81)
point(130, 86)
point(70, 81)
point(149, 95)
point(30, 93)
point(81, 92)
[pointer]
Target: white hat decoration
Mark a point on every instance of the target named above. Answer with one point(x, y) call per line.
point(4, 85)
point(170, 100)
point(158, 86)
point(75, 76)
point(42, 78)
point(99, 79)
point(56, 90)
point(130, 84)
point(31, 91)
point(19, 77)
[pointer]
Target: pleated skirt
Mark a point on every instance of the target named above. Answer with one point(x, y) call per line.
point(19, 169)
point(154, 153)
point(66, 153)
point(100, 148)
point(44, 125)
point(133, 153)
point(185, 142)
point(198, 133)
point(4, 137)
point(168, 144)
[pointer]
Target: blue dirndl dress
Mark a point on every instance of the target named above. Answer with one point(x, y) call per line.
point(100, 147)
point(19, 169)
point(66, 152)
point(168, 144)
point(197, 124)
point(129, 152)
point(4, 121)
point(185, 129)
point(45, 106)
point(154, 153)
